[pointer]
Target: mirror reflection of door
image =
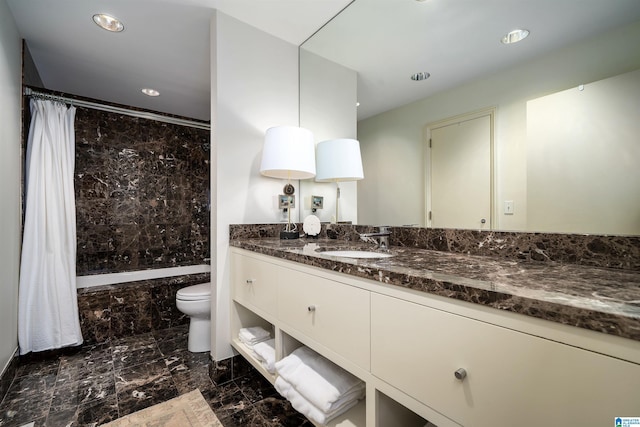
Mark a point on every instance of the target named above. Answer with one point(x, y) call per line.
point(460, 178)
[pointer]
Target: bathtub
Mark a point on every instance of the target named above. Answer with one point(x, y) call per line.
point(133, 276)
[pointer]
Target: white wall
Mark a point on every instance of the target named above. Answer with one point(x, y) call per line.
point(328, 95)
point(10, 103)
point(589, 125)
point(254, 85)
point(393, 191)
point(395, 194)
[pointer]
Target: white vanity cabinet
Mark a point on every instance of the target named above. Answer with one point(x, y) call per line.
point(407, 346)
point(255, 284)
point(300, 308)
point(503, 376)
point(331, 313)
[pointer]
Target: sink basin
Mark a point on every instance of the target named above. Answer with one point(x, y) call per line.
point(357, 254)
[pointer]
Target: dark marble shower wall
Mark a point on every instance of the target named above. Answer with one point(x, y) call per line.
point(142, 193)
point(117, 311)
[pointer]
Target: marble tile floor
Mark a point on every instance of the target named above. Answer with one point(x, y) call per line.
point(99, 383)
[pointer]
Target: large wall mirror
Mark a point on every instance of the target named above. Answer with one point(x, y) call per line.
point(565, 153)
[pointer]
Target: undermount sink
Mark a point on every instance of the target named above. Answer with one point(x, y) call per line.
point(357, 254)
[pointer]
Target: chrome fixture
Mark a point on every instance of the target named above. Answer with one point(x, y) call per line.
point(460, 374)
point(382, 235)
point(108, 22)
point(420, 76)
point(515, 36)
point(150, 92)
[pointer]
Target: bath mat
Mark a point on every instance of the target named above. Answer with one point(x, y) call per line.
point(188, 410)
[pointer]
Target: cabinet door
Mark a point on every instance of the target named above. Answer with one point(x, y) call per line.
point(333, 314)
point(511, 378)
point(255, 283)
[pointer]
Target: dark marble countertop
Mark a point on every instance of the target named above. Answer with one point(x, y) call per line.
point(599, 299)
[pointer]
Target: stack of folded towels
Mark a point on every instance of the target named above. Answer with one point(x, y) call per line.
point(262, 346)
point(315, 386)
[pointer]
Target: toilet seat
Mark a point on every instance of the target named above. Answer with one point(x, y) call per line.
point(195, 292)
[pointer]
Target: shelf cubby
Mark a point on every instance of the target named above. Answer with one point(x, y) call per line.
point(391, 413)
point(245, 318)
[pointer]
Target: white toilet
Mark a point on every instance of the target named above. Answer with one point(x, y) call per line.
point(195, 302)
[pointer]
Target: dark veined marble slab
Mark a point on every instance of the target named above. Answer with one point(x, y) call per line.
point(600, 299)
point(620, 252)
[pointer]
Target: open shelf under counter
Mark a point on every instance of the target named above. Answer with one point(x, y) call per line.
point(354, 417)
point(248, 355)
point(289, 340)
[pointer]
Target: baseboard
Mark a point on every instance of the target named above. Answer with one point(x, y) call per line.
point(8, 374)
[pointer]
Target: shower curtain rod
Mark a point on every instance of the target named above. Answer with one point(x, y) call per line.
point(118, 110)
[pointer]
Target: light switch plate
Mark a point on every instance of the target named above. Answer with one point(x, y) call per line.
point(509, 208)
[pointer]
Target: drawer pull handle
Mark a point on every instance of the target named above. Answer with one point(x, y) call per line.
point(250, 281)
point(460, 374)
point(311, 308)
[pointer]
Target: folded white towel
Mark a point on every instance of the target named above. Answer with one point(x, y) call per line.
point(253, 335)
point(266, 353)
point(319, 380)
point(307, 408)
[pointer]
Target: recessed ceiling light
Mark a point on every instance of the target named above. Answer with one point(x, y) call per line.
point(150, 92)
point(108, 22)
point(514, 36)
point(420, 76)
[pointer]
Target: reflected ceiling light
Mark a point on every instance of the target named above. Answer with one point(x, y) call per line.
point(150, 92)
point(420, 76)
point(514, 36)
point(108, 22)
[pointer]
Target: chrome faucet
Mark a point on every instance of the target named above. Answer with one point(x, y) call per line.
point(382, 235)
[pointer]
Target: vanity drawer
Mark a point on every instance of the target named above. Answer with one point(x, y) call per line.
point(331, 313)
point(255, 283)
point(511, 377)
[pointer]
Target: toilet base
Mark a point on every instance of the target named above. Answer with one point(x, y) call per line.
point(199, 335)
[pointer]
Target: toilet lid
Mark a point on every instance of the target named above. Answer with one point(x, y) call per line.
point(195, 292)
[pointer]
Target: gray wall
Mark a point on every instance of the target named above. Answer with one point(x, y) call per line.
point(10, 107)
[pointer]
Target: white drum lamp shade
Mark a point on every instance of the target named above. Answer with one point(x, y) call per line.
point(288, 153)
point(339, 160)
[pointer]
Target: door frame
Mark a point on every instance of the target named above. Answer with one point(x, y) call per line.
point(427, 129)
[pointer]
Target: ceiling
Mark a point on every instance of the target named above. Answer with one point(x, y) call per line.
point(456, 41)
point(165, 44)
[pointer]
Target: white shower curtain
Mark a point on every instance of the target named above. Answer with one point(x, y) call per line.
point(48, 307)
